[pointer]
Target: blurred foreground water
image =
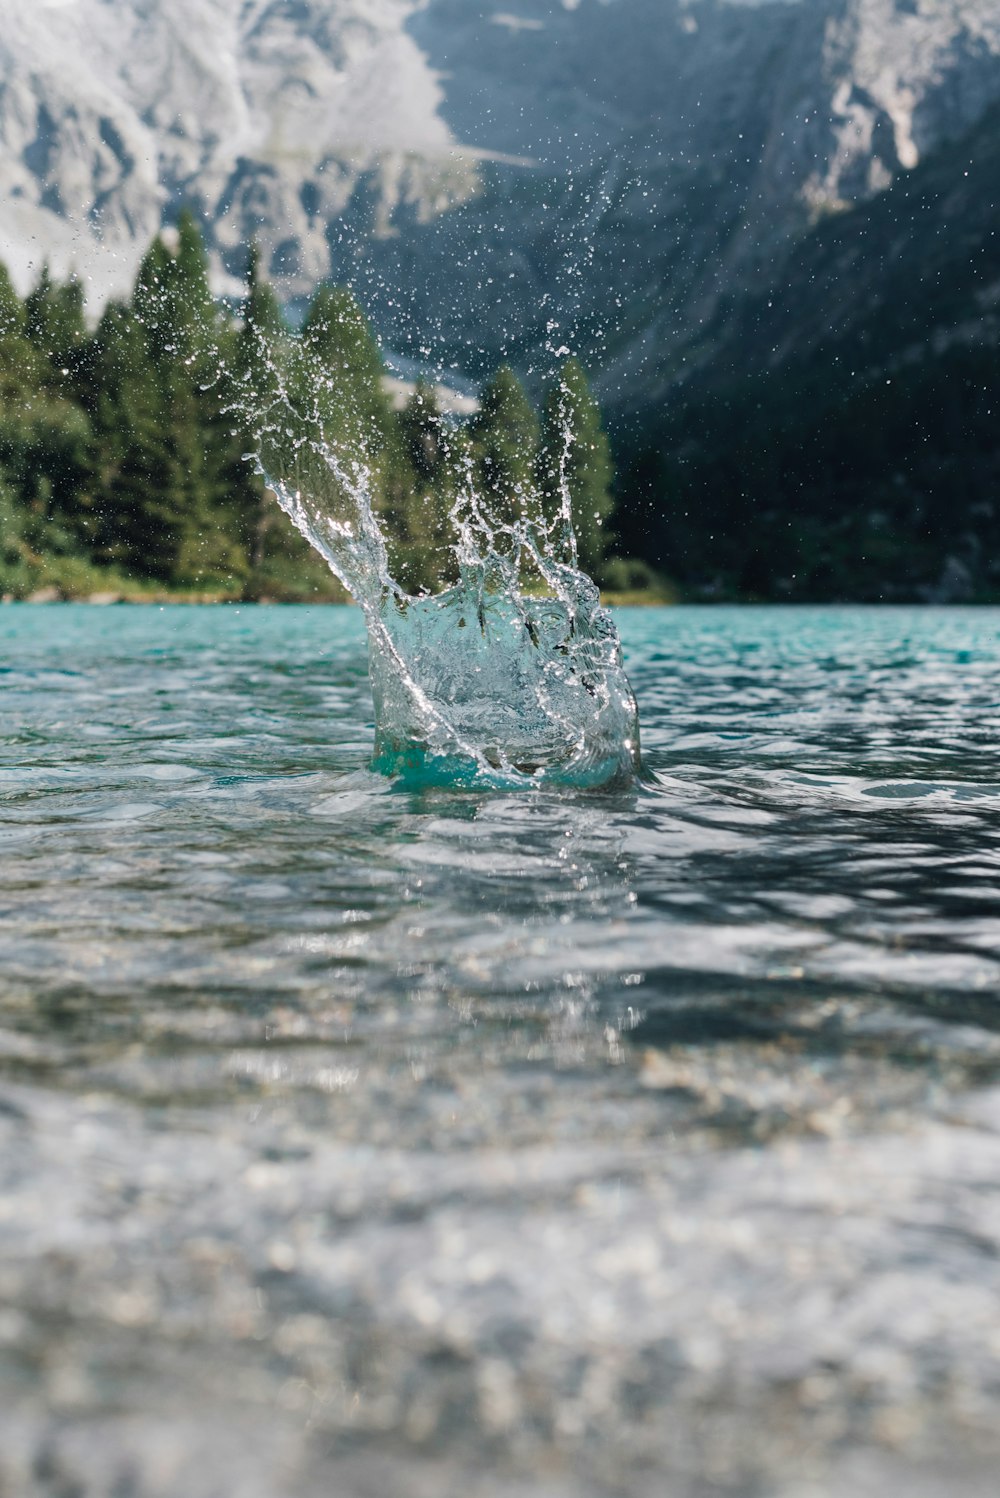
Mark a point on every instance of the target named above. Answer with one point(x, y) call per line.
point(363, 1141)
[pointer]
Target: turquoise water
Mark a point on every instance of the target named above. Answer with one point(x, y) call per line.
point(372, 1139)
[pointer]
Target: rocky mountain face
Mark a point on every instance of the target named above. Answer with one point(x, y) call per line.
point(266, 115)
point(509, 177)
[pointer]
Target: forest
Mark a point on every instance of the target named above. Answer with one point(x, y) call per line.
point(836, 443)
point(126, 449)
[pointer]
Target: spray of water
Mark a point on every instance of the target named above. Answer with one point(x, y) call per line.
point(512, 674)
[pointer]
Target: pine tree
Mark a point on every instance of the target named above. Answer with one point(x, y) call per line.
point(19, 388)
point(54, 321)
point(169, 468)
point(281, 561)
point(126, 446)
point(259, 350)
point(419, 518)
point(336, 438)
point(505, 436)
point(422, 432)
point(254, 387)
point(196, 311)
point(12, 316)
point(208, 343)
point(131, 452)
point(151, 298)
point(44, 433)
point(21, 368)
point(347, 371)
point(576, 459)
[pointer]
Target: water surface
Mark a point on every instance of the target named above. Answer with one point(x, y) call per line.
point(376, 1140)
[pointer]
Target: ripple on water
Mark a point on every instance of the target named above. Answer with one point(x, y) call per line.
point(465, 1133)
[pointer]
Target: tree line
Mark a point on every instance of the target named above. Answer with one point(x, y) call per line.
point(124, 448)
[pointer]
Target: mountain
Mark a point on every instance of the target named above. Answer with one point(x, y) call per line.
point(836, 435)
point(513, 177)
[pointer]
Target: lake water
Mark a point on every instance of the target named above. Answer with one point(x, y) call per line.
point(362, 1142)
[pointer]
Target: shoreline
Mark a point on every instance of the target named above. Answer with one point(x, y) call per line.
point(608, 600)
point(105, 599)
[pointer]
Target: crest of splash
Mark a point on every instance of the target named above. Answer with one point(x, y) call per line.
point(481, 682)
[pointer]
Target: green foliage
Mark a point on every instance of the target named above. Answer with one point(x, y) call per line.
point(37, 556)
point(54, 321)
point(253, 388)
point(344, 368)
point(421, 490)
point(260, 342)
point(505, 441)
point(282, 564)
point(16, 576)
point(141, 515)
point(122, 448)
point(575, 463)
point(11, 307)
point(151, 300)
point(166, 457)
point(44, 433)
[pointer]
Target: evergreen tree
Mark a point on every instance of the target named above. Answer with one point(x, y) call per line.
point(19, 388)
point(54, 321)
point(345, 369)
point(505, 437)
point(44, 433)
point(12, 317)
point(575, 462)
point(195, 312)
point(182, 456)
point(132, 451)
point(412, 511)
point(207, 343)
point(254, 388)
point(281, 561)
point(21, 370)
point(259, 350)
point(122, 450)
point(340, 430)
point(422, 432)
point(151, 297)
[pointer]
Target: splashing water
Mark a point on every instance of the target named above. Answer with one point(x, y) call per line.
point(484, 681)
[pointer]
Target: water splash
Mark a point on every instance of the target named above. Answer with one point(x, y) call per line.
point(513, 673)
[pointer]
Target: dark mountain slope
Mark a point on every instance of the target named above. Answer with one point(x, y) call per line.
point(840, 435)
